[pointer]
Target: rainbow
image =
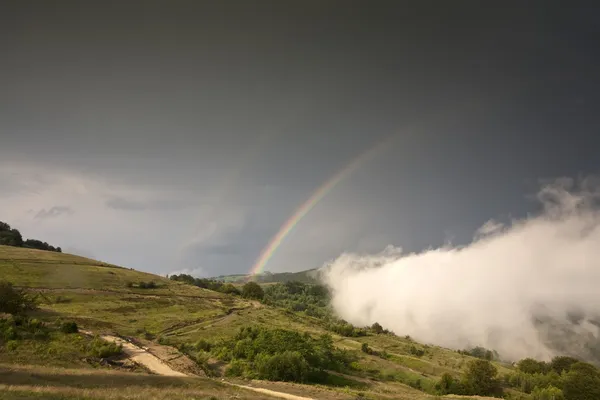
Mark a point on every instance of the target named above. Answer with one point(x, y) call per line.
point(309, 204)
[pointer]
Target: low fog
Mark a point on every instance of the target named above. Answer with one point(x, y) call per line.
point(526, 289)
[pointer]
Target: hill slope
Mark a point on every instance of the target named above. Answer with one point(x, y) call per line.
point(180, 322)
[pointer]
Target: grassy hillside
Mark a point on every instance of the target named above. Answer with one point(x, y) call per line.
point(181, 319)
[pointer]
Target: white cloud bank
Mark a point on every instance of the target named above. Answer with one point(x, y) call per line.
point(486, 293)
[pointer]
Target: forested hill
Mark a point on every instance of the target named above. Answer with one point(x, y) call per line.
point(12, 237)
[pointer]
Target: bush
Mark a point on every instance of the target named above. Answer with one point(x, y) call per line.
point(531, 366)
point(582, 382)
point(549, 393)
point(230, 289)
point(236, 368)
point(287, 366)
point(8, 330)
point(448, 385)
point(69, 327)
point(345, 329)
point(14, 301)
point(480, 352)
point(252, 290)
point(203, 345)
point(416, 351)
point(480, 378)
point(377, 328)
point(562, 363)
point(22, 328)
point(103, 349)
point(147, 285)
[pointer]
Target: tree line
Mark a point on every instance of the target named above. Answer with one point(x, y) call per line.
point(12, 237)
point(250, 290)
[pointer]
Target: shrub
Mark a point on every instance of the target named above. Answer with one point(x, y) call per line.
point(287, 366)
point(448, 385)
point(480, 378)
point(365, 348)
point(377, 328)
point(481, 352)
point(416, 351)
point(531, 366)
point(549, 393)
point(69, 327)
point(14, 301)
point(103, 349)
point(22, 328)
point(8, 330)
point(203, 345)
point(147, 285)
point(230, 289)
point(582, 382)
point(236, 368)
point(252, 290)
point(562, 363)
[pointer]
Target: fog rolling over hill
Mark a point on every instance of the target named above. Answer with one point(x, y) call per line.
point(526, 289)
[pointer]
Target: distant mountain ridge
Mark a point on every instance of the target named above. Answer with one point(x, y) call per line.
point(306, 276)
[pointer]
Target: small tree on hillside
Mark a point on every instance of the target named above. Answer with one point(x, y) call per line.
point(480, 378)
point(377, 328)
point(531, 366)
point(562, 363)
point(230, 289)
point(582, 382)
point(14, 301)
point(252, 290)
point(549, 393)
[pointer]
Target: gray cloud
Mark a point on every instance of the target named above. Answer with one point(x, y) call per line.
point(54, 212)
point(120, 203)
point(216, 122)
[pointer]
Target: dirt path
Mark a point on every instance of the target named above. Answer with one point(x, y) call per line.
point(271, 392)
point(143, 357)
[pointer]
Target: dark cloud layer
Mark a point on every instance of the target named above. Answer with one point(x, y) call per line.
point(194, 130)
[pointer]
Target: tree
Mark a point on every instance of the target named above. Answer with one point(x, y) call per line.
point(562, 363)
point(480, 378)
point(14, 301)
point(252, 290)
point(549, 393)
point(531, 366)
point(582, 382)
point(69, 327)
point(230, 289)
point(377, 328)
point(10, 237)
point(448, 385)
point(286, 366)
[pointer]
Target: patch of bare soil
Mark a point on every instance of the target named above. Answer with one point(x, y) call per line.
point(170, 356)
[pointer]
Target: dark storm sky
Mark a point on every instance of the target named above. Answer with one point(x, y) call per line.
point(181, 135)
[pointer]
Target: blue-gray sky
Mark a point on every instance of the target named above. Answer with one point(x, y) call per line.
point(181, 135)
